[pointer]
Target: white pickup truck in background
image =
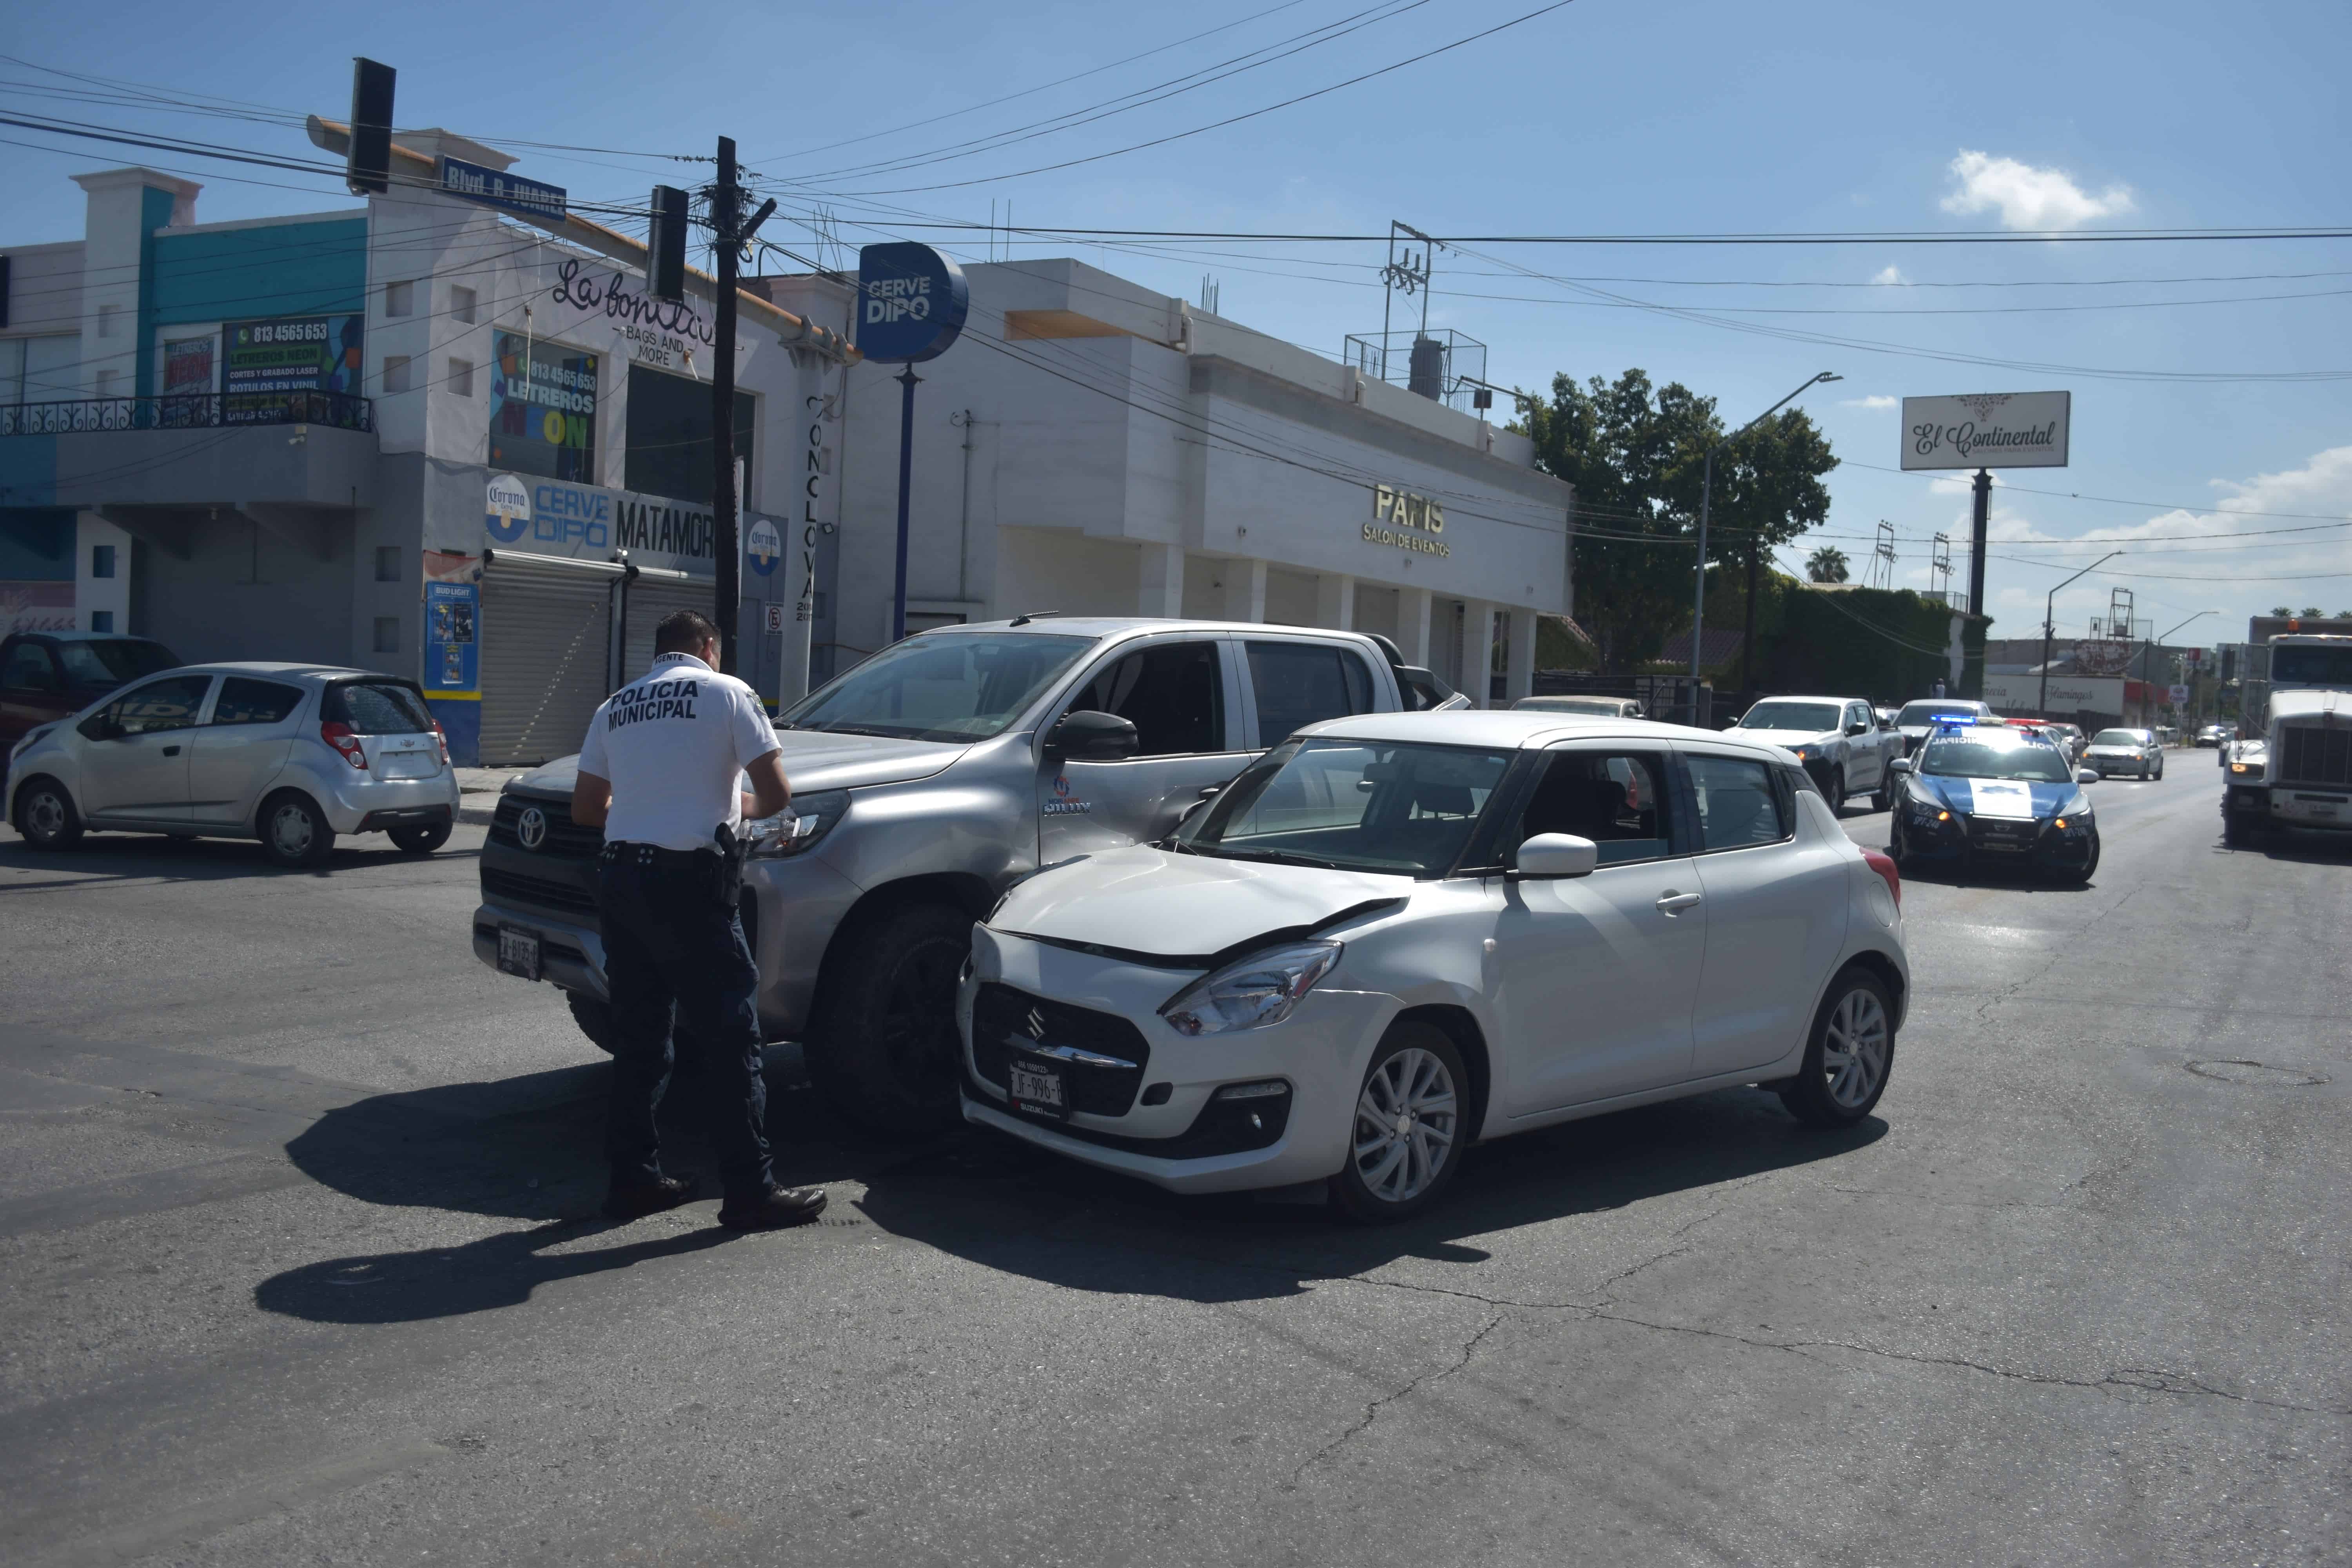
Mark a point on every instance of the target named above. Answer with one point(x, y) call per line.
point(1839, 740)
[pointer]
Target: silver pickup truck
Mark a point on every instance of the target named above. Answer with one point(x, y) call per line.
point(924, 781)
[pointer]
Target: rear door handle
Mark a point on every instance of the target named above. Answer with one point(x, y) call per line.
point(171, 750)
point(1675, 903)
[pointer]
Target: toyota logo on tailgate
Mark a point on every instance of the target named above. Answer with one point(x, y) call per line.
point(531, 828)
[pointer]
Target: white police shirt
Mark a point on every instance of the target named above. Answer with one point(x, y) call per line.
point(674, 743)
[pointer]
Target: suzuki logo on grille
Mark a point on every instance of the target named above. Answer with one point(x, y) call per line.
point(1036, 1023)
point(531, 828)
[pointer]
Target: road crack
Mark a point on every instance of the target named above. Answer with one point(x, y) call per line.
point(1372, 1409)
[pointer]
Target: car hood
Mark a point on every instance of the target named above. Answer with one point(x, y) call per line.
point(813, 760)
point(1786, 737)
point(2017, 798)
point(1165, 905)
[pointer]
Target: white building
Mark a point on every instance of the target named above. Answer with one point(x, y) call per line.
point(1091, 447)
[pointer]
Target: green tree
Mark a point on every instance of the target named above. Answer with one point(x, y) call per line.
point(2282, 611)
point(2313, 612)
point(1827, 564)
point(1636, 454)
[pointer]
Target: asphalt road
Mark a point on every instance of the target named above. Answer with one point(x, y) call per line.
point(292, 1270)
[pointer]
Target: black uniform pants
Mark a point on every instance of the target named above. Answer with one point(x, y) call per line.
point(669, 943)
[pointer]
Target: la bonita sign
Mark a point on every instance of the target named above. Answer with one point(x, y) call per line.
point(1404, 520)
point(1987, 430)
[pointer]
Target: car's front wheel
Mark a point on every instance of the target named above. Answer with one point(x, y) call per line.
point(46, 816)
point(885, 1047)
point(295, 832)
point(1883, 797)
point(1411, 1124)
point(1849, 1055)
point(1834, 789)
point(2160, 767)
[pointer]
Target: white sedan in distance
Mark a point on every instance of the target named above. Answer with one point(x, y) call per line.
point(1395, 936)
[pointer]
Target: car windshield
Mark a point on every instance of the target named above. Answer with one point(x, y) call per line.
point(1992, 754)
point(2119, 738)
point(1918, 713)
point(376, 707)
point(1359, 806)
point(2310, 664)
point(1813, 718)
point(112, 662)
point(944, 686)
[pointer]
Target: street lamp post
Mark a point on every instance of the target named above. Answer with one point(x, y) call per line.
point(2049, 609)
point(2146, 657)
point(1705, 501)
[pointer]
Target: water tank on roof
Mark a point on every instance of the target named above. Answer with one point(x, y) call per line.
point(1427, 375)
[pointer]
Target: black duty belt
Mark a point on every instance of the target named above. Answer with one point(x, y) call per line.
point(654, 855)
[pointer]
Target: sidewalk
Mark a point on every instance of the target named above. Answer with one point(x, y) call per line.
point(478, 789)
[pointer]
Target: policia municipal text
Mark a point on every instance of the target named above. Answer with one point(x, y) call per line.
point(658, 773)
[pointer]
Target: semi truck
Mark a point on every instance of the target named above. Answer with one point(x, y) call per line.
point(2291, 764)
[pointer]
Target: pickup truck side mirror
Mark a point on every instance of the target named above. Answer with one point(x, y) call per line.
point(1857, 728)
point(1088, 736)
point(1551, 855)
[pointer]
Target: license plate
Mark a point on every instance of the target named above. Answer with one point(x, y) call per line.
point(519, 952)
point(1038, 1087)
point(2317, 812)
point(410, 765)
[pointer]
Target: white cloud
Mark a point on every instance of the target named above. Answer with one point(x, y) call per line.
point(1890, 277)
point(2025, 197)
point(1875, 400)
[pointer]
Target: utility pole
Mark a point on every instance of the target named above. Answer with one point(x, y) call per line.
point(729, 234)
point(2049, 609)
point(1705, 505)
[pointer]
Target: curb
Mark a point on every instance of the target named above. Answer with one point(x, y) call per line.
point(475, 816)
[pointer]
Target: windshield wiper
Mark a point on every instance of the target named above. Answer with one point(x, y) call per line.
point(1276, 858)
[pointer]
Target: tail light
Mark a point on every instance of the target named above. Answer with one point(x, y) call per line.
point(338, 735)
point(1885, 866)
point(443, 736)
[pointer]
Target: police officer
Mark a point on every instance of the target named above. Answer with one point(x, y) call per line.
point(658, 775)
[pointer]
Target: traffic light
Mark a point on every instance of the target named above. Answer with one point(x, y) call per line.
point(666, 245)
point(367, 165)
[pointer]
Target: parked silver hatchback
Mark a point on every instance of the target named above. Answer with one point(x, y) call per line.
point(292, 754)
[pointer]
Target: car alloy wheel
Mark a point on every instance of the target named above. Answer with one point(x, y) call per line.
point(1854, 1050)
point(1407, 1120)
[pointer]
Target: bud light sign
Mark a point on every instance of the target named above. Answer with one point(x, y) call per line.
point(911, 303)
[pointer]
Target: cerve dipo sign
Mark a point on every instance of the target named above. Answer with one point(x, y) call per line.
point(911, 303)
point(1987, 430)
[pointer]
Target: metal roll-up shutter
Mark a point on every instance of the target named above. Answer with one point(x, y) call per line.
point(546, 642)
point(653, 595)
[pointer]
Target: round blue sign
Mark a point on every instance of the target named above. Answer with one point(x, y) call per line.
point(911, 303)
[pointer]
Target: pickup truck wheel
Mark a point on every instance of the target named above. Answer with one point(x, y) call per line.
point(46, 816)
point(886, 1049)
point(1834, 791)
point(1883, 797)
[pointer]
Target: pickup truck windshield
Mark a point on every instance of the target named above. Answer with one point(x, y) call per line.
point(1989, 754)
point(1357, 805)
point(2307, 664)
point(1812, 718)
point(943, 685)
point(95, 663)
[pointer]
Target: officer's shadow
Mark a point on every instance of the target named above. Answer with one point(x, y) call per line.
point(529, 1149)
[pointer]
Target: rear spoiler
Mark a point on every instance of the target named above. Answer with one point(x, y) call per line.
point(1424, 692)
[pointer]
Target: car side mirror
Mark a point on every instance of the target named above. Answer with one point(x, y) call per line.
point(2086, 775)
point(1558, 854)
point(1088, 736)
point(1898, 764)
point(99, 726)
point(1857, 728)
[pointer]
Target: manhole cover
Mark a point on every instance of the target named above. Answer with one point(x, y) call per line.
point(2257, 1073)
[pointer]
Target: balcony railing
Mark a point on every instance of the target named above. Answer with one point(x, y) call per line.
point(195, 411)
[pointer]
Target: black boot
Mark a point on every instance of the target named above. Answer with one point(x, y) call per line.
point(773, 1209)
point(637, 1199)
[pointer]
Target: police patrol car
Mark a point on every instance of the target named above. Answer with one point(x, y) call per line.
point(1976, 793)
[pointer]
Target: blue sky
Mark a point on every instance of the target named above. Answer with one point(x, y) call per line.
point(1602, 117)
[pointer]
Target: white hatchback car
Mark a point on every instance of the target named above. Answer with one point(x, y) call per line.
point(1394, 936)
point(292, 754)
